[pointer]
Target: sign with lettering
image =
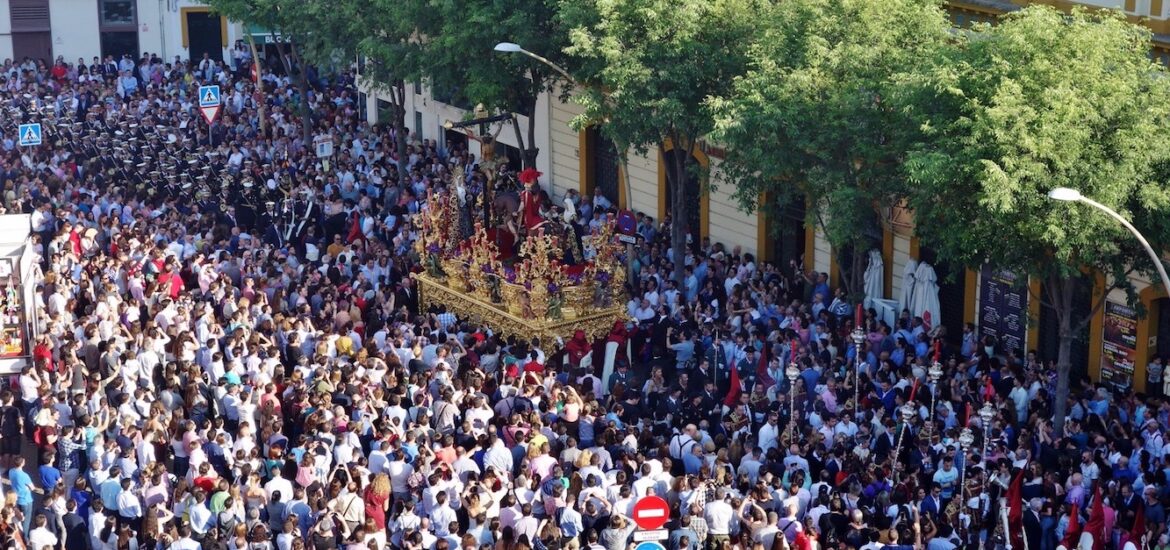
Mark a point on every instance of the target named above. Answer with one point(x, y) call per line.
point(1003, 307)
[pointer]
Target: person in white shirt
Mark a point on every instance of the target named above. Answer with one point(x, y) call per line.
point(442, 515)
point(279, 484)
point(399, 471)
point(769, 437)
point(498, 456)
point(129, 507)
point(719, 516)
point(379, 458)
point(40, 536)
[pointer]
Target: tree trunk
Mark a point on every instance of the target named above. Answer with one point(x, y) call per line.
point(303, 89)
point(399, 95)
point(260, 109)
point(286, 59)
point(532, 151)
point(679, 211)
point(624, 162)
point(853, 277)
point(1063, 309)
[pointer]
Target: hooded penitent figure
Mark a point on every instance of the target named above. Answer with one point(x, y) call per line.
point(578, 348)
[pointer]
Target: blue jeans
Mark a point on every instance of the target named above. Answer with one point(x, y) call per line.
point(1047, 533)
point(26, 510)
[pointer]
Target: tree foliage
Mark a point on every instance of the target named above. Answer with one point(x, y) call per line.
point(391, 42)
point(1044, 100)
point(649, 69)
point(308, 31)
point(812, 122)
point(462, 58)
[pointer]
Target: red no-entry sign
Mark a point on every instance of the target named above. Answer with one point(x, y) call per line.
point(651, 512)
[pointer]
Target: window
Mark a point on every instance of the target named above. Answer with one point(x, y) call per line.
point(385, 112)
point(119, 43)
point(117, 12)
point(29, 15)
point(454, 97)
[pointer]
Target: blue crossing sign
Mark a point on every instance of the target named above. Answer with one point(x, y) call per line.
point(209, 96)
point(30, 134)
point(649, 545)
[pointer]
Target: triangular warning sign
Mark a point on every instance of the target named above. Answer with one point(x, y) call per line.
point(30, 135)
point(209, 113)
point(209, 97)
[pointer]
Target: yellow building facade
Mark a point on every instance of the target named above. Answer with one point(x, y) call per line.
point(571, 159)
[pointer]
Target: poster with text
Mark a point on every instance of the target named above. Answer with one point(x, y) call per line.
point(1003, 307)
point(1119, 345)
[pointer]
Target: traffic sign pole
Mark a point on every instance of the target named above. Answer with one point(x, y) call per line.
point(209, 104)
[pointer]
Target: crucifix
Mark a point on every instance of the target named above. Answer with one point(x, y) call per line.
point(487, 140)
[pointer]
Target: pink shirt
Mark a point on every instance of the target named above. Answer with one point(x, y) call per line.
point(570, 412)
point(542, 466)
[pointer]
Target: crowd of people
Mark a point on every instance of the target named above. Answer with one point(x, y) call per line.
point(216, 372)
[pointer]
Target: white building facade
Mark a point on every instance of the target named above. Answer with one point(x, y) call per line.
point(82, 29)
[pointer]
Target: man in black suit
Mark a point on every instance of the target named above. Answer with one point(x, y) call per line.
point(76, 533)
point(931, 504)
point(1032, 530)
point(1127, 507)
point(407, 296)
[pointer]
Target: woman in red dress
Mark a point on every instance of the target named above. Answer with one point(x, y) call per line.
point(377, 500)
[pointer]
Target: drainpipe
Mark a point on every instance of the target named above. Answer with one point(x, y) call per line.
point(163, 7)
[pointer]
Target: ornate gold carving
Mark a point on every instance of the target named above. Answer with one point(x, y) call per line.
point(595, 322)
point(536, 293)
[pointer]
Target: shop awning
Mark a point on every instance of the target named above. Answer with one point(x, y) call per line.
point(262, 35)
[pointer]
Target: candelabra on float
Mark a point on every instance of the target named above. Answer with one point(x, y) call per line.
point(934, 373)
point(792, 372)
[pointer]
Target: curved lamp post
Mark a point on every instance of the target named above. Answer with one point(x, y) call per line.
point(1066, 194)
point(512, 47)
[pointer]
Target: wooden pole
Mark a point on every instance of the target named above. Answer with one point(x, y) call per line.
point(259, 87)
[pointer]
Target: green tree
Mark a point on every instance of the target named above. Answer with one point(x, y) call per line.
point(1044, 100)
point(649, 68)
point(390, 40)
point(812, 124)
point(463, 61)
point(307, 31)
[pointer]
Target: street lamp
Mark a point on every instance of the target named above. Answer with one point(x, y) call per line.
point(1066, 194)
point(512, 47)
point(792, 373)
point(858, 336)
point(934, 374)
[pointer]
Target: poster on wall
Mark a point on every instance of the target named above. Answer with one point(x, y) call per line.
point(1119, 345)
point(13, 340)
point(1003, 307)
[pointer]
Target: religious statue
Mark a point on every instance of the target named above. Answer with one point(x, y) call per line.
point(529, 210)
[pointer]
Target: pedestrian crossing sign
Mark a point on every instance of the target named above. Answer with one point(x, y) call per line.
point(30, 134)
point(208, 96)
